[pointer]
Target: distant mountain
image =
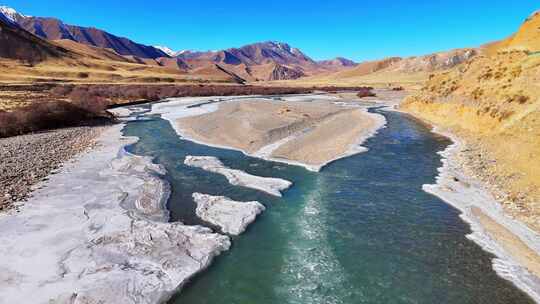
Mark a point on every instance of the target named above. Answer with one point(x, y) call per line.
point(9, 15)
point(339, 62)
point(167, 50)
point(270, 52)
point(253, 54)
point(260, 61)
point(54, 29)
point(416, 64)
point(269, 60)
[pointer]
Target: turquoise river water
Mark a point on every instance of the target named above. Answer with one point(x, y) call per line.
point(360, 231)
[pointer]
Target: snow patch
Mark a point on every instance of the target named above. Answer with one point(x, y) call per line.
point(11, 14)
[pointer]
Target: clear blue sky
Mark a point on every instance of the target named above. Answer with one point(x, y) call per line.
point(360, 30)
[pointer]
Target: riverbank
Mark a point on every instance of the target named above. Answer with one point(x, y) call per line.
point(306, 130)
point(98, 231)
point(29, 159)
point(515, 245)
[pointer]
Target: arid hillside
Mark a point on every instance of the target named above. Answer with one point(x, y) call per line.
point(55, 29)
point(264, 61)
point(493, 101)
point(410, 72)
point(526, 38)
point(27, 58)
point(17, 44)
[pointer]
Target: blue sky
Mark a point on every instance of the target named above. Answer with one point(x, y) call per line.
point(360, 30)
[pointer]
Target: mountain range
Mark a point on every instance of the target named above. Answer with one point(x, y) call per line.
point(262, 61)
point(122, 59)
point(55, 29)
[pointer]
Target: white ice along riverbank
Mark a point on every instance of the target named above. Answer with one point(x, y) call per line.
point(466, 194)
point(270, 185)
point(231, 216)
point(97, 232)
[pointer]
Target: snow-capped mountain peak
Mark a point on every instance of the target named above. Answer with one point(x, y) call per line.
point(11, 14)
point(166, 50)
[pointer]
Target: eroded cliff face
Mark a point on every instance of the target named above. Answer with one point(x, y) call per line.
point(493, 102)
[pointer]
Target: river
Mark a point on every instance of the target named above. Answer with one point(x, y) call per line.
point(360, 231)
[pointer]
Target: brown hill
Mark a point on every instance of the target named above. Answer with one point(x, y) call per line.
point(493, 101)
point(281, 72)
point(91, 51)
point(25, 57)
point(16, 43)
point(55, 29)
point(527, 37)
point(216, 73)
point(338, 62)
point(369, 67)
point(176, 63)
point(410, 71)
point(270, 52)
point(265, 61)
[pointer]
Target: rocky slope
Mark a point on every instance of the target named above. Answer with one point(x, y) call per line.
point(265, 61)
point(254, 54)
point(338, 62)
point(281, 72)
point(410, 72)
point(426, 63)
point(16, 43)
point(493, 101)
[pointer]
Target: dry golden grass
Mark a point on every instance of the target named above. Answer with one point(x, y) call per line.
point(381, 79)
point(527, 38)
point(94, 71)
point(87, 64)
point(494, 102)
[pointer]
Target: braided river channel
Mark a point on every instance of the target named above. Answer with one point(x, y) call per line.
point(361, 230)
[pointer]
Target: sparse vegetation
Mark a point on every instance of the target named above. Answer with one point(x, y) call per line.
point(366, 92)
point(61, 105)
point(50, 115)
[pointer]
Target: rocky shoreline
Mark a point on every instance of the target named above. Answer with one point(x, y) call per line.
point(29, 159)
point(478, 163)
point(465, 182)
point(516, 246)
